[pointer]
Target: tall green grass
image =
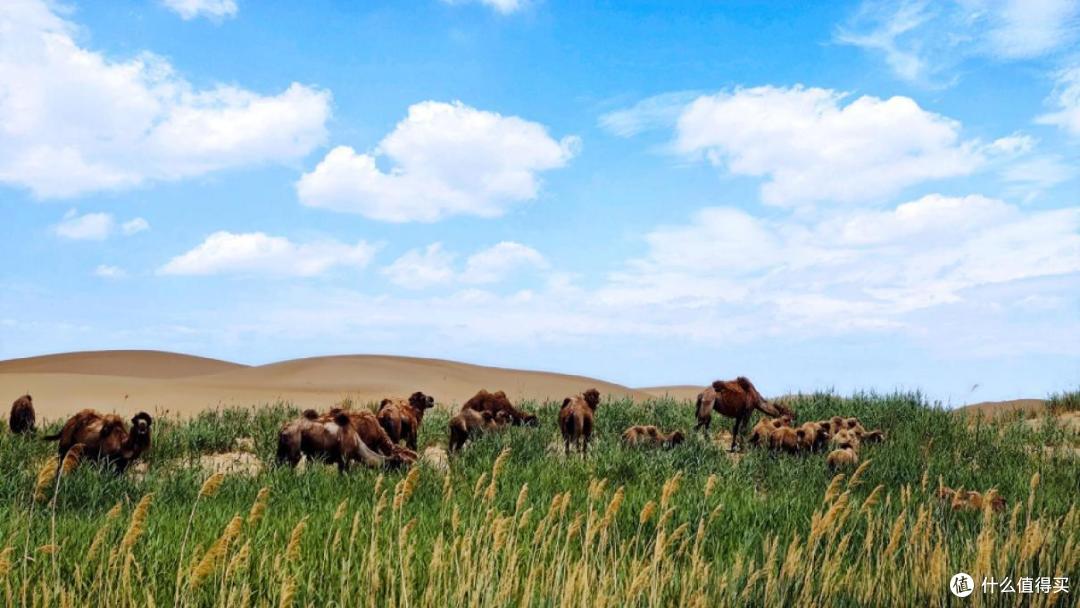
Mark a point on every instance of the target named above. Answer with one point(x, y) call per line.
point(514, 522)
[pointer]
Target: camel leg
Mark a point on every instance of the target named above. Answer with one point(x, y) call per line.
point(735, 434)
point(567, 442)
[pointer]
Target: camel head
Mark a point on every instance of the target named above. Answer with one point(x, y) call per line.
point(592, 398)
point(140, 427)
point(421, 402)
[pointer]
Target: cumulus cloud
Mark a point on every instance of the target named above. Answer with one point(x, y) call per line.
point(446, 159)
point(95, 226)
point(921, 40)
point(215, 10)
point(502, 6)
point(256, 253)
point(74, 121)
point(433, 265)
point(1066, 100)
point(815, 144)
point(496, 263)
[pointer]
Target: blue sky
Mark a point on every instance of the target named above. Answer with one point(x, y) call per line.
point(849, 195)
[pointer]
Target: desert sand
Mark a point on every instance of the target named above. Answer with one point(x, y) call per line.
point(129, 381)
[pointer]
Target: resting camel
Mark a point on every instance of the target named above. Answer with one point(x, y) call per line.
point(22, 417)
point(815, 436)
point(401, 419)
point(764, 427)
point(961, 500)
point(650, 436)
point(842, 458)
point(735, 399)
point(496, 402)
point(469, 423)
point(334, 441)
point(576, 419)
point(104, 437)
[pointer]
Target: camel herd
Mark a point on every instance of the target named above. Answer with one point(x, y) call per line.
point(374, 439)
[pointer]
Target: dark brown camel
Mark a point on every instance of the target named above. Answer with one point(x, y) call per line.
point(735, 399)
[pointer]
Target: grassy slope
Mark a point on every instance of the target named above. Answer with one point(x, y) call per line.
point(757, 506)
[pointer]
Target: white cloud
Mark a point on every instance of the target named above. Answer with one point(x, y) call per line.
point(424, 268)
point(1067, 100)
point(134, 226)
point(86, 227)
point(811, 146)
point(497, 262)
point(95, 226)
point(420, 269)
point(658, 111)
point(921, 40)
point(214, 10)
point(447, 159)
point(1021, 29)
point(863, 268)
point(255, 253)
point(74, 121)
point(106, 271)
point(502, 6)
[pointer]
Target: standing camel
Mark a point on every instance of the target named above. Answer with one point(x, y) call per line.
point(735, 399)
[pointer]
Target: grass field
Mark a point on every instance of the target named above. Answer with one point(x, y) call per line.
point(516, 523)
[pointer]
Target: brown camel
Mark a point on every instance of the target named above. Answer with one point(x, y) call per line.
point(104, 437)
point(22, 419)
point(764, 427)
point(334, 441)
point(373, 435)
point(496, 402)
point(401, 419)
point(469, 423)
point(961, 500)
point(576, 419)
point(735, 399)
point(651, 436)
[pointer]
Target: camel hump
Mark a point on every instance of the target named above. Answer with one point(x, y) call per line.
point(744, 382)
point(311, 414)
point(718, 385)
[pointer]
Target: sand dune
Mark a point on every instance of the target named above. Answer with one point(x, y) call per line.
point(999, 408)
point(129, 381)
point(130, 363)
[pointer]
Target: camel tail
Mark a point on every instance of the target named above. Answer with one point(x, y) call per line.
point(573, 426)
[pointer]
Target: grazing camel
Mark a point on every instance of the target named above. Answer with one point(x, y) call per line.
point(22, 419)
point(104, 437)
point(735, 399)
point(496, 402)
point(576, 419)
